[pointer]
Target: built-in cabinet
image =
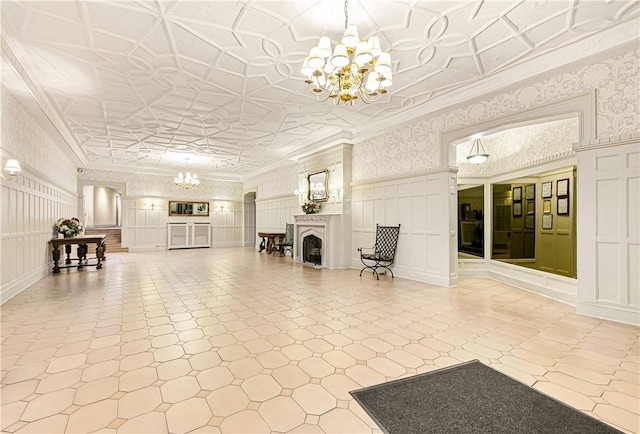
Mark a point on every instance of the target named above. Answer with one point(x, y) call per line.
point(188, 235)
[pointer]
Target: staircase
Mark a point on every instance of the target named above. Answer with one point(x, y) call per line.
point(113, 240)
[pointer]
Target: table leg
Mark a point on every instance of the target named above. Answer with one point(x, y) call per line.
point(82, 255)
point(67, 250)
point(56, 258)
point(100, 253)
point(263, 244)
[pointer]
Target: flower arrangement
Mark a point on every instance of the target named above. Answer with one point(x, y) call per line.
point(310, 207)
point(69, 227)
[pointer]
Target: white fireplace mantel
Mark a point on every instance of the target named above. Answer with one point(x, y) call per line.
point(323, 226)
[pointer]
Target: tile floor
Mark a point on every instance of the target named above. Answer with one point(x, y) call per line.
point(230, 340)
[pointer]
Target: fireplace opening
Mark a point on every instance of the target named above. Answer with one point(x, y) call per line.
point(312, 250)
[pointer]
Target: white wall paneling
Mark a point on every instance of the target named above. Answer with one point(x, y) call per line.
point(421, 205)
point(186, 235)
point(144, 223)
point(30, 208)
point(608, 201)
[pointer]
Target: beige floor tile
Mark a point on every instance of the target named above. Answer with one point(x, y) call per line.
point(272, 359)
point(52, 424)
point(137, 379)
point(316, 367)
point(179, 389)
point(290, 376)
point(247, 421)
point(25, 372)
point(18, 391)
point(261, 387)
point(227, 400)
point(618, 417)
point(568, 396)
point(203, 361)
point(245, 368)
point(214, 378)
point(339, 359)
point(137, 403)
point(48, 404)
point(171, 352)
point(314, 399)
point(12, 413)
point(188, 415)
point(386, 367)
point(96, 390)
point(623, 401)
point(100, 370)
point(149, 423)
point(365, 375)
point(341, 420)
point(282, 414)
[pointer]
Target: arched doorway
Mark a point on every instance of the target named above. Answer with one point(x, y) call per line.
point(249, 206)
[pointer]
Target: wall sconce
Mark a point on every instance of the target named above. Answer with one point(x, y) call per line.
point(335, 192)
point(12, 166)
point(300, 195)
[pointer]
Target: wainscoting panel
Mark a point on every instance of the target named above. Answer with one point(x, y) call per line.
point(272, 215)
point(420, 205)
point(30, 208)
point(608, 233)
point(145, 227)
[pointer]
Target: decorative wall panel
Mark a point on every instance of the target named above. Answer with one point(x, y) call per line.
point(608, 234)
point(419, 205)
point(416, 147)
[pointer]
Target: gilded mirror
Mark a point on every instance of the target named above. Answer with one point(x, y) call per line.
point(193, 209)
point(317, 186)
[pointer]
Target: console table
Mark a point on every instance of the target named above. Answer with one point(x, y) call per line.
point(83, 249)
point(269, 240)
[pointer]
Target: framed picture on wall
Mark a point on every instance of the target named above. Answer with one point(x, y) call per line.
point(531, 207)
point(517, 194)
point(517, 209)
point(547, 189)
point(530, 192)
point(563, 205)
point(547, 221)
point(530, 221)
point(546, 207)
point(562, 187)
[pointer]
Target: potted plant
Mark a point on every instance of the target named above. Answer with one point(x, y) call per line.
point(310, 207)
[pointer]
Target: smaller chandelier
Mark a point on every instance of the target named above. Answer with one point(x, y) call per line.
point(186, 181)
point(477, 154)
point(356, 69)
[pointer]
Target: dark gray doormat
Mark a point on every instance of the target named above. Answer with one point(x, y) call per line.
point(470, 398)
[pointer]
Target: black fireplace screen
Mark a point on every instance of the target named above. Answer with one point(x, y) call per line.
point(312, 250)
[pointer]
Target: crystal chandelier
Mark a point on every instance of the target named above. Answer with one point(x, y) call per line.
point(186, 181)
point(356, 69)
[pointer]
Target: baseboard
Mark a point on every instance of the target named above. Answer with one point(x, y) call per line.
point(542, 288)
point(14, 288)
point(425, 277)
point(613, 313)
point(135, 249)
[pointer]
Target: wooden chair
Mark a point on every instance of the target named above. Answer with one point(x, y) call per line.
point(287, 245)
point(383, 252)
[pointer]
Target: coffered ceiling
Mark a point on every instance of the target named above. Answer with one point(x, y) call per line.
point(142, 85)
